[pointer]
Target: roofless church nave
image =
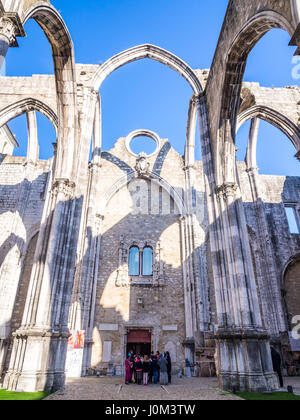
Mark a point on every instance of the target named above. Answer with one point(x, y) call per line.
point(104, 251)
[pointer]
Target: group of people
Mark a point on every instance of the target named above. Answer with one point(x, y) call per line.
point(153, 369)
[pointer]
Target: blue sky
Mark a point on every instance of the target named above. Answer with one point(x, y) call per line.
point(146, 94)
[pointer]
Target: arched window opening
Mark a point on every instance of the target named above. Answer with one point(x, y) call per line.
point(274, 153)
point(143, 144)
point(260, 143)
point(162, 110)
point(24, 61)
point(37, 130)
point(140, 262)
point(134, 261)
point(147, 262)
point(267, 68)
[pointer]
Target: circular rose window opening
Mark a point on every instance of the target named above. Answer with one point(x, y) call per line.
point(142, 141)
point(143, 144)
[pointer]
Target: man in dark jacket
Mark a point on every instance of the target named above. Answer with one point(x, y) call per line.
point(169, 364)
point(155, 369)
point(276, 359)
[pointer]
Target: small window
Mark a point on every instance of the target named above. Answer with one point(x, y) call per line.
point(292, 219)
point(147, 261)
point(134, 261)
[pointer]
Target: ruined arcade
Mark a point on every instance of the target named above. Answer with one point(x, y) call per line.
point(102, 251)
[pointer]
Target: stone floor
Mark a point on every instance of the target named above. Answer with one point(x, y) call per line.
point(114, 389)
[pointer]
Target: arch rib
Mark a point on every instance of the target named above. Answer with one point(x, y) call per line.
point(147, 51)
point(29, 104)
point(273, 117)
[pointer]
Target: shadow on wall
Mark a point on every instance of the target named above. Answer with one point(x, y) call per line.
point(171, 292)
point(168, 298)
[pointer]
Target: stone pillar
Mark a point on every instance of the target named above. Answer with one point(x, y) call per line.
point(189, 342)
point(197, 261)
point(7, 37)
point(267, 277)
point(252, 143)
point(10, 270)
point(33, 143)
point(243, 351)
point(97, 133)
point(84, 292)
point(190, 136)
point(44, 331)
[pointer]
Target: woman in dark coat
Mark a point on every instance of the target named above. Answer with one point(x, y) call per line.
point(162, 363)
point(169, 366)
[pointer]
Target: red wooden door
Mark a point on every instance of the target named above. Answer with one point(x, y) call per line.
point(139, 336)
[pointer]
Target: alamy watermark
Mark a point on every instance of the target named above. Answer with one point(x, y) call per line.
point(296, 68)
point(296, 328)
point(2, 67)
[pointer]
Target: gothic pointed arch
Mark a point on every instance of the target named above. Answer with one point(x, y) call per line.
point(291, 287)
point(25, 105)
point(282, 122)
point(239, 40)
point(147, 51)
point(151, 176)
point(61, 43)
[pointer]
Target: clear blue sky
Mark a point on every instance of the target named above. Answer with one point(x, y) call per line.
point(146, 94)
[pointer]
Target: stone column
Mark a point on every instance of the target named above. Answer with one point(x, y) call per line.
point(190, 135)
point(244, 358)
point(12, 265)
point(44, 331)
point(267, 277)
point(33, 143)
point(189, 342)
point(7, 37)
point(200, 298)
point(252, 143)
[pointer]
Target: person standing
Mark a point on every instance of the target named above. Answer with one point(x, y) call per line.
point(139, 370)
point(155, 369)
point(131, 355)
point(146, 369)
point(163, 369)
point(128, 370)
point(157, 354)
point(150, 378)
point(276, 359)
point(169, 366)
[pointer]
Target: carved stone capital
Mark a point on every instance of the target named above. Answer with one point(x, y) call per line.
point(63, 186)
point(226, 190)
point(8, 30)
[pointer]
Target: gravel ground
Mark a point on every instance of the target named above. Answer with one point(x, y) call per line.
point(114, 389)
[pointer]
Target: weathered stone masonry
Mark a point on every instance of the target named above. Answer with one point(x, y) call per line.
point(225, 279)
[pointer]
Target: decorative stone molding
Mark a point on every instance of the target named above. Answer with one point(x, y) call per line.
point(63, 186)
point(142, 164)
point(8, 31)
point(123, 279)
point(11, 27)
point(226, 190)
